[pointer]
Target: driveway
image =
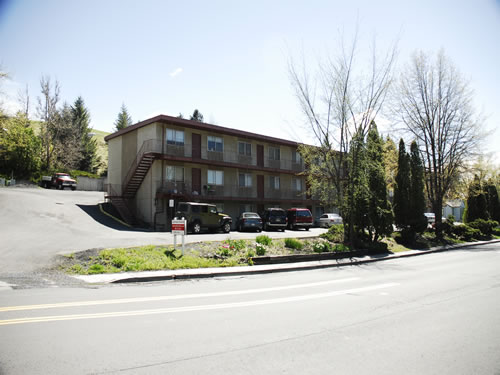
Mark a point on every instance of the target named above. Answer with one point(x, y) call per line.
point(36, 224)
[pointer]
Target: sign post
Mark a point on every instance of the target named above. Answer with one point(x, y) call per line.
point(179, 228)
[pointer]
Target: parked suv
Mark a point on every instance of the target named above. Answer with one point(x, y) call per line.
point(299, 218)
point(274, 218)
point(201, 216)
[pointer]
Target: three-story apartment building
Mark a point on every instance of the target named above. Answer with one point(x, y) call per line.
point(156, 163)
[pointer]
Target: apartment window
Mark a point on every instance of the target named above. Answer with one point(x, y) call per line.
point(175, 173)
point(245, 180)
point(215, 177)
point(274, 153)
point(245, 148)
point(296, 157)
point(274, 182)
point(297, 184)
point(215, 144)
point(175, 137)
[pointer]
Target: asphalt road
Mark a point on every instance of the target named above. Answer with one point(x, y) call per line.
point(433, 314)
point(36, 224)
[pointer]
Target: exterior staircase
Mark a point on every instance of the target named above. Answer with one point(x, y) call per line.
point(134, 181)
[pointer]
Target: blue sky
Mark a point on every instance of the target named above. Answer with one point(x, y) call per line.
point(228, 58)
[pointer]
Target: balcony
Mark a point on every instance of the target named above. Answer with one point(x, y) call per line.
point(226, 192)
point(228, 156)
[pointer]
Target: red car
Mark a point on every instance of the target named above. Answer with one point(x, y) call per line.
point(299, 218)
point(59, 181)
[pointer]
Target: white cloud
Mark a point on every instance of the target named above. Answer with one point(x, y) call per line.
point(175, 73)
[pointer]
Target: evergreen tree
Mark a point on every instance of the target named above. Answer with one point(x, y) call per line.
point(417, 220)
point(493, 202)
point(380, 215)
point(197, 116)
point(402, 189)
point(358, 192)
point(123, 120)
point(476, 202)
point(89, 161)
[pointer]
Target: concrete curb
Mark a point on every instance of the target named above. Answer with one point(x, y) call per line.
point(149, 276)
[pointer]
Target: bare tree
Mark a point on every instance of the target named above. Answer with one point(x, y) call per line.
point(434, 105)
point(48, 113)
point(339, 102)
point(23, 98)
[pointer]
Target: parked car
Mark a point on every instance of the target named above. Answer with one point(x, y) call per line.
point(327, 220)
point(249, 220)
point(59, 181)
point(299, 218)
point(201, 216)
point(274, 218)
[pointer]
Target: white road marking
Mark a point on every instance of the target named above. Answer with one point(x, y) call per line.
point(178, 297)
point(195, 308)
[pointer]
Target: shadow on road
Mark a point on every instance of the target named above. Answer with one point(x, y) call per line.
point(95, 213)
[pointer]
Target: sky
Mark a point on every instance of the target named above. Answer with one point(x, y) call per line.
point(229, 59)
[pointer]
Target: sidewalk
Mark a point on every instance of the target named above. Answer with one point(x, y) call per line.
point(148, 276)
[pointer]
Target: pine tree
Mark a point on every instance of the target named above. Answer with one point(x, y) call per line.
point(197, 116)
point(89, 161)
point(417, 220)
point(380, 215)
point(123, 120)
point(476, 202)
point(493, 202)
point(402, 189)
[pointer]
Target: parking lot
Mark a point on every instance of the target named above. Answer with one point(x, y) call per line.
point(36, 224)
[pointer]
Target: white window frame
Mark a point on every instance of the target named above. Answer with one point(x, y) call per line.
point(174, 171)
point(247, 179)
point(216, 141)
point(175, 137)
point(274, 182)
point(274, 153)
point(215, 177)
point(297, 184)
point(247, 148)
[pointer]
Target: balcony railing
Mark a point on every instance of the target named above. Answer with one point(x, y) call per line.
point(226, 191)
point(227, 156)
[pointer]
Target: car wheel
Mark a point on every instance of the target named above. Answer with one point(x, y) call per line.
point(307, 228)
point(73, 188)
point(227, 228)
point(196, 228)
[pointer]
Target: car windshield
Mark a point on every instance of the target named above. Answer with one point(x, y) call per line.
point(277, 213)
point(303, 213)
point(65, 177)
point(183, 208)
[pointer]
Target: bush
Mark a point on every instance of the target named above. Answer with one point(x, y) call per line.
point(263, 239)
point(466, 233)
point(322, 247)
point(341, 248)
point(236, 245)
point(335, 234)
point(484, 226)
point(261, 249)
point(293, 243)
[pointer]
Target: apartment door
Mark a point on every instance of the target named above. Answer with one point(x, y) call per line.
point(260, 186)
point(196, 152)
point(260, 156)
point(196, 180)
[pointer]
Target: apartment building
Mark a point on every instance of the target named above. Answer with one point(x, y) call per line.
point(159, 162)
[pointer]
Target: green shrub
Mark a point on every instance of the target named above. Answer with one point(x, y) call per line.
point(250, 253)
point(96, 268)
point(335, 234)
point(341, 248)
point(485, 226)
point(466, 233)
point(293, 243)
point(261, 249)
point(236, 245)
point(322, 247)
point(263, 239)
